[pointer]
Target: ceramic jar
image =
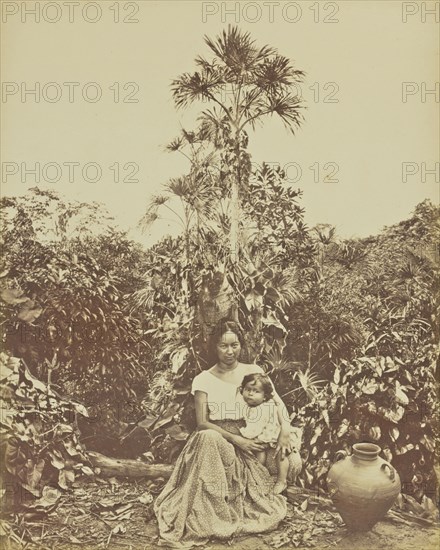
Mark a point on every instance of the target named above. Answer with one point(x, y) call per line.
point(363, 486)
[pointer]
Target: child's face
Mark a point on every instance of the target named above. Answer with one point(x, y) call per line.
point(253, 394)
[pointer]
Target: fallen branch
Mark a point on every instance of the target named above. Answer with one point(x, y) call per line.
point(412, 518)
point(391, 516)
point(116, 467)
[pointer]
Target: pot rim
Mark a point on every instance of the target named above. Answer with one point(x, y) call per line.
point(368, 451)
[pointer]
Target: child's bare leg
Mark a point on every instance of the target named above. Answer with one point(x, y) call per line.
point(261, 457)
point(283, 468)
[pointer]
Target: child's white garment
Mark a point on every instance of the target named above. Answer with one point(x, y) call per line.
point(261, 422)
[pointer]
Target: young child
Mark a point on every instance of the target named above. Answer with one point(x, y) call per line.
point(262, 421)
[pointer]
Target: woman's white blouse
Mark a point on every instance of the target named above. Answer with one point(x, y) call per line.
point(225, 402)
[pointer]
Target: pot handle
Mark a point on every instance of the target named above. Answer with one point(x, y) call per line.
point(392, 474)
point(339, 455)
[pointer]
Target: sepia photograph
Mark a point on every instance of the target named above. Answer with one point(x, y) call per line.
point(219, 279)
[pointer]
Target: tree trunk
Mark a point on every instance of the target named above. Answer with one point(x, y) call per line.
point(215, 302)
point(234, 236)
point(235, 212)
point(235, 202)
point(116, 467)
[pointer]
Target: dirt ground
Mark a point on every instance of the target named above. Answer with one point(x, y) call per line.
point(109, 515)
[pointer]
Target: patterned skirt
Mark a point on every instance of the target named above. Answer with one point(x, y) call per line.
point(216, 490)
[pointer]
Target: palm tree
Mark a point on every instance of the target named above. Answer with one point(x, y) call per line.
point(191, 199)
point(243, 84)
point(325, 235)
point(195, 199)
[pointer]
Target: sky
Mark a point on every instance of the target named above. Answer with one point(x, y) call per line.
point(364, 157)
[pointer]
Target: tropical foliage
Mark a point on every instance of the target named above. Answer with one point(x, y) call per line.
point(40, 441)
point(347, 328)
point(242, 85)
point(64, 306)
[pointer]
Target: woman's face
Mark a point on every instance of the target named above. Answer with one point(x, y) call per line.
point(228, 348)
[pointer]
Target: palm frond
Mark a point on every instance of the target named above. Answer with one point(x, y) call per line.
point(143, 299)
point(206, 65)
point(287, 107)
point(250, 97)
point(147, 220)
point(310, 382)
point(158, 200)
point(212, 124)
point(178, 187)
point(175, 145)
point(189, 136)
point(276, 74)
point(287, 286)
point(237, 51)
point(197, 86)
point(279, 363)
point(151, 215)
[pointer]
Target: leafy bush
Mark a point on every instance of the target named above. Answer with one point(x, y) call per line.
point(39, 441)
point(380, 385)
point(381, 400)
point(60, 301)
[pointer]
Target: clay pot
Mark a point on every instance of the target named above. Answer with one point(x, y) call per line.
point(363, 486)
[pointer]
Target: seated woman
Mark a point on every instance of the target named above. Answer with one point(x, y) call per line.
point(218, 488)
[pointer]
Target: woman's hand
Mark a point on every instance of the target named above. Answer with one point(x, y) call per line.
point(284, 445)
point(249, 446)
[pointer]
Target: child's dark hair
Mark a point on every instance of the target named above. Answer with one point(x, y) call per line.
point(264, 380)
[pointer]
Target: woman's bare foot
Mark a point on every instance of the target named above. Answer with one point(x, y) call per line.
point(279, 487)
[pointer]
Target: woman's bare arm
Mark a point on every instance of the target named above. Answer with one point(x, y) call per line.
point(202, 417)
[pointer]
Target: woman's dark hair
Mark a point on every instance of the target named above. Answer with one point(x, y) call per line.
point(264, 380)
point(227, 325)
